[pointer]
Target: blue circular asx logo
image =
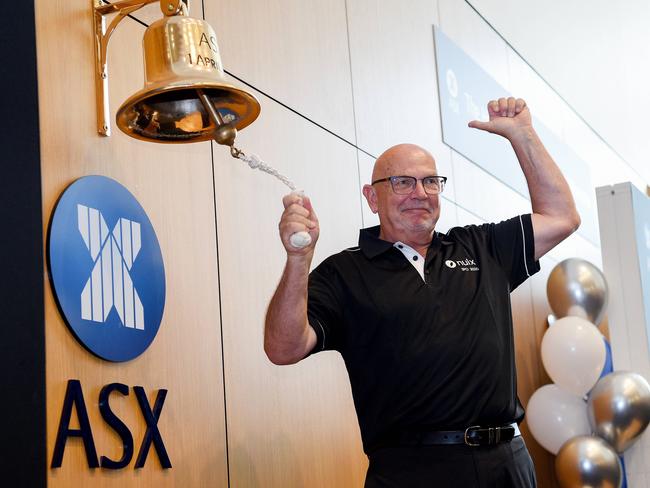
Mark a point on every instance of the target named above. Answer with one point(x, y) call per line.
point(106, 268)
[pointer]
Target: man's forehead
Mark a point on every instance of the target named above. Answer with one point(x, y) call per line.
point(415, 164)
point(404, 159)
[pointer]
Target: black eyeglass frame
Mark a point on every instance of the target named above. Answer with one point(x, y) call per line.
point(443, 179)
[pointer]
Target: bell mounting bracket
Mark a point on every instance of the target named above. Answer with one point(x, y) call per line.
point(102, 34)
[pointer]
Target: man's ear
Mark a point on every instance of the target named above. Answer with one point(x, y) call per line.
point(371, 197)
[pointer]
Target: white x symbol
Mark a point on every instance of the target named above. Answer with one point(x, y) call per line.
point(110, 284)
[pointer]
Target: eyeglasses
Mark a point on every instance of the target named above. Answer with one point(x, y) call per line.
point(403, 185)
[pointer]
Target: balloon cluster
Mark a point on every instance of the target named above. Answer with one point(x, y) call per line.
point(590, 415)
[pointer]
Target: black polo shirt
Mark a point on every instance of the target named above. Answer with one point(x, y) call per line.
point(432, 354)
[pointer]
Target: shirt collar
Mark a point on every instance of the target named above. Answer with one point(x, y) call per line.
point(370, 243)
point(372, 246)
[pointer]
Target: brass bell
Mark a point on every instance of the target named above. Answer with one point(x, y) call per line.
point(186, 96)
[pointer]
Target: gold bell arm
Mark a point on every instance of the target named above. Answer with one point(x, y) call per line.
point(102, 36)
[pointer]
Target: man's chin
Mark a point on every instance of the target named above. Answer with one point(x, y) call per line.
point(421, 226)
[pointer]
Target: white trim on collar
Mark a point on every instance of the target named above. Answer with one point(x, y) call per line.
point(412, 256)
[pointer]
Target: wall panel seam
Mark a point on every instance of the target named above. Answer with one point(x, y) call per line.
point(354, 114)
point(216, 241)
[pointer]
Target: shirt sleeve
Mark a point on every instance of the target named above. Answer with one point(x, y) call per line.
point(324, 310)
point(512, 244)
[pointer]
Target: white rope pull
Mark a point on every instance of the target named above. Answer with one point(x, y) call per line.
point(255, 162)
point(298, 239)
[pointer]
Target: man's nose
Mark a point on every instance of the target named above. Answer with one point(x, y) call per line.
point(418, 191)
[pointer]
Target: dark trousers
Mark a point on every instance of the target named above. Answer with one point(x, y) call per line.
point(506, 465)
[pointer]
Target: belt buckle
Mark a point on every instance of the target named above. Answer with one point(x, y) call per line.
point(467, 439)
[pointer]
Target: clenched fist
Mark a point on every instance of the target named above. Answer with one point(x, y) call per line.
point(508, 118)
point(298, 216)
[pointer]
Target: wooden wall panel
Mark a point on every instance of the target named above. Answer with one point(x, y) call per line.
point(366, 164)
point(174, 185)
point(150, 13)
point(288, 426)
point(530, 373)
point(394, 78)
point(295, 50)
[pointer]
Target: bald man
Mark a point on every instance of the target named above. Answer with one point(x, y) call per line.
point(422, 319)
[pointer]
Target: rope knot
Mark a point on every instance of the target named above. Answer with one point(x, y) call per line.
point(254, 161)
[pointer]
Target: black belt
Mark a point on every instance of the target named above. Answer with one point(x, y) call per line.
point(472, 436)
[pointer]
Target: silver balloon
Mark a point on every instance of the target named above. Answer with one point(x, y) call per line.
point(588, 462)
point(619, 408)
point(577, 287)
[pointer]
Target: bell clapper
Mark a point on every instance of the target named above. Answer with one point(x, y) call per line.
point(224, 133)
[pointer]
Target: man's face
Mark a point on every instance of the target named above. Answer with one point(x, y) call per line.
point(402, 216)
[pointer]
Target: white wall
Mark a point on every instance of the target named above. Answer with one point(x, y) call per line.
point(595, 54)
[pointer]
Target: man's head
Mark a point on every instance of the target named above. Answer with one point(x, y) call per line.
point(403, 217)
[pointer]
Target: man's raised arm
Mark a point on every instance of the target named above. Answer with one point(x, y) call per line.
point(554, 212)
point(288, 336)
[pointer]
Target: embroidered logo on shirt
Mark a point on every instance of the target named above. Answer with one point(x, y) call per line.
point(466, 264)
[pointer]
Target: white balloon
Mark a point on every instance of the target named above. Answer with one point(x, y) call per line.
point(554, 416)
point(573, 353)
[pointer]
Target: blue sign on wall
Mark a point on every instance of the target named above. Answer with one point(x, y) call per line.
point(464, 90)
point(106, 268)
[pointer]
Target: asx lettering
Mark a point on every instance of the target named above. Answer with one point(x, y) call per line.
point(211, 43)
point(74, 399)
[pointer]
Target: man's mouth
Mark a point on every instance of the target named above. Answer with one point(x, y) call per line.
point(417, 209)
